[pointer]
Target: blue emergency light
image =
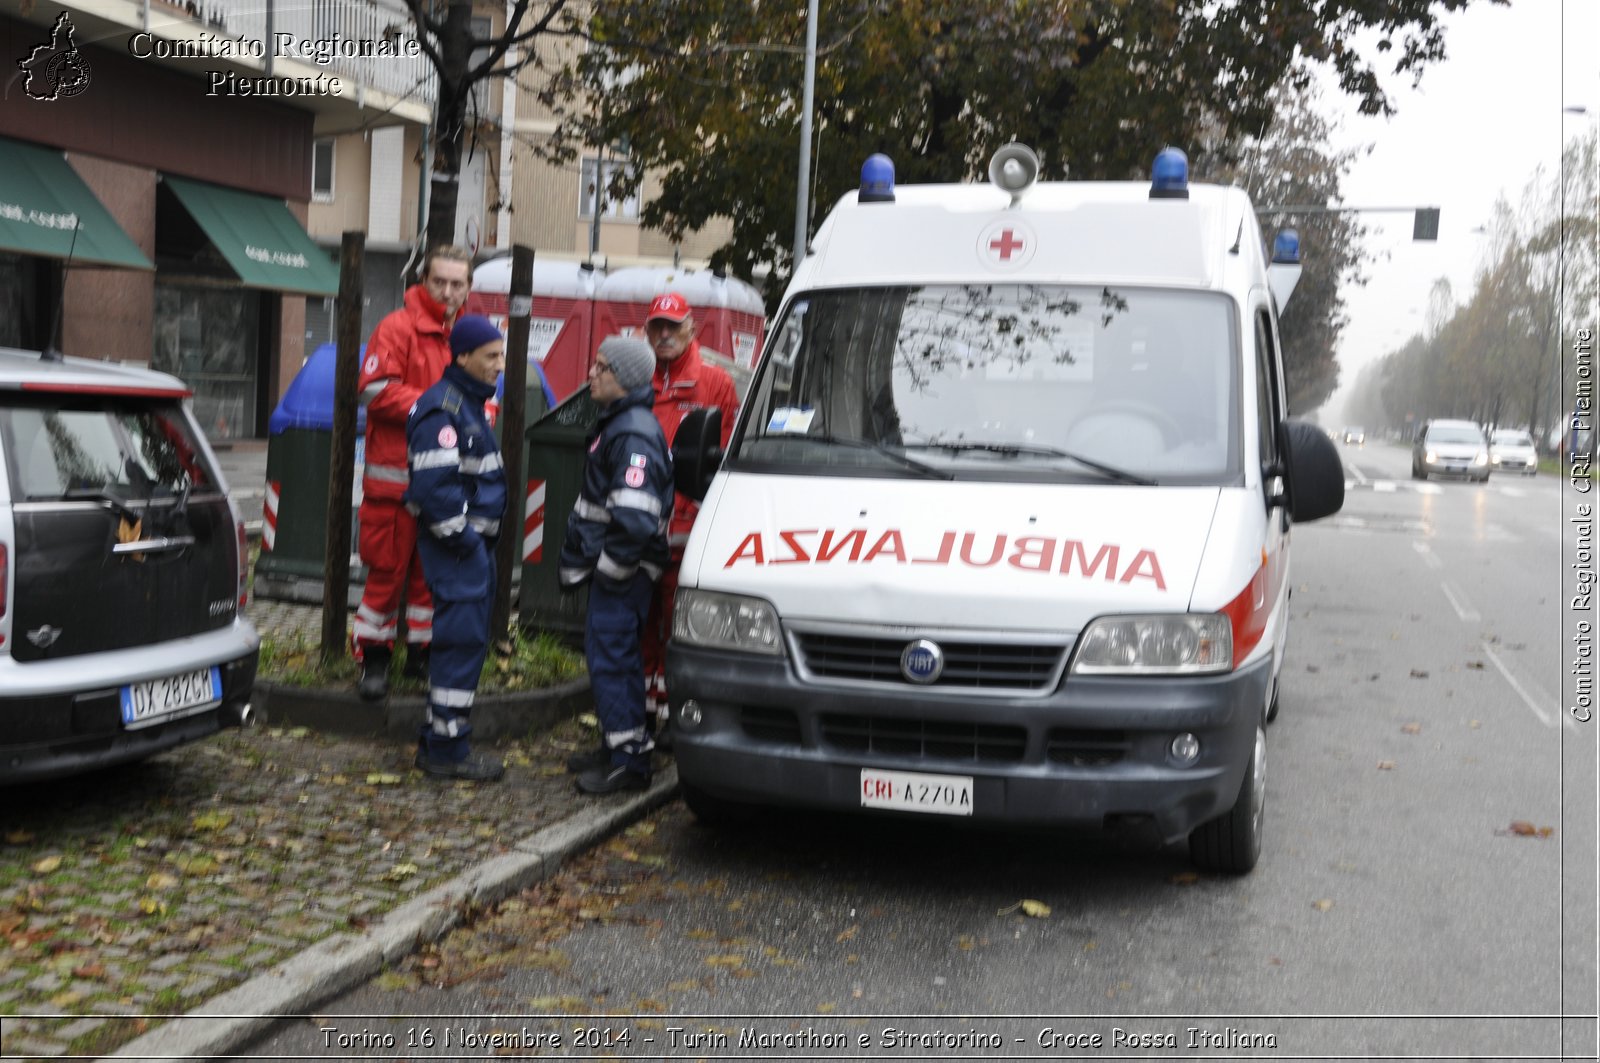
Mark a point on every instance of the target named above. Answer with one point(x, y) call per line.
point(877, 180)
point(1169, 175)
point(1286, 247)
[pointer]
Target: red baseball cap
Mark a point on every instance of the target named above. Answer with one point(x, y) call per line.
point(669, 307)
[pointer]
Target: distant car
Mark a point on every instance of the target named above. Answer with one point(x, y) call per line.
point(1355, 434)
point(1512, 450)
point(1450, 448)
point(122, 571)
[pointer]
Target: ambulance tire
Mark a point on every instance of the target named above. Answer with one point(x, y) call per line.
point(1231, 843)
point(714, 811)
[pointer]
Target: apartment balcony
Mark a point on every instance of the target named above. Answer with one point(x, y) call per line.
point(368, 45)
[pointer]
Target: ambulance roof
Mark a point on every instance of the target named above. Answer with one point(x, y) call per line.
point(1060, 232)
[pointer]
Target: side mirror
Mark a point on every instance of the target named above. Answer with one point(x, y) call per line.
point(697, 452)
point(1312, 472)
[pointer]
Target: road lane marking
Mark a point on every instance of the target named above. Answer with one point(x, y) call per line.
point(1427, 488)
point(1429, 558)
point(1361, 477)
point(1385, 485)
point(1459, 601)
point(1528, 699)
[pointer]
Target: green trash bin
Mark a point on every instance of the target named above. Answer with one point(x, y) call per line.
point(554, 459)
point(294, 525)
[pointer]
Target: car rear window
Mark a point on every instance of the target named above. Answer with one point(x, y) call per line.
point(122, 448)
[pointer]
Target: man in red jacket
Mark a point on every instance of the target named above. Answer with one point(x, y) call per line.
point(406, 355)
point(683, 382)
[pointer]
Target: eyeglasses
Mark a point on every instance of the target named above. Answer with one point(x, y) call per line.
point(601, 367)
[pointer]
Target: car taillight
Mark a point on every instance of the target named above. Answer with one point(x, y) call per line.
point(244, 563)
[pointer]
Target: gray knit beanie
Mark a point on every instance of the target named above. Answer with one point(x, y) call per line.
point(632, 361)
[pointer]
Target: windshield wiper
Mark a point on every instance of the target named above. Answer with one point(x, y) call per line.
point(1015, 449)
point(878, 448)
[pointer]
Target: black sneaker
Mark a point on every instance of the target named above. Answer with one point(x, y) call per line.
point(475, 768)
point(612, 780)
point(593, 760)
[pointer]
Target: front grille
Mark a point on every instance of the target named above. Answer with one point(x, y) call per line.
point(967, 665)
point(1085, 748)
point(919, 738)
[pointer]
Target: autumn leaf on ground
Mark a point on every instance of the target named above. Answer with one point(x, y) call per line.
point(213, 821)
point(1035, 909)
point(1386, 765)
point(576, 1005)
point(589, 719)
point(400, 872)
point(966, 942)
point(89, 970)
point(725, 961)
point(1475, 665)
point(152, 906)
point(1322, 905)
point(384, 778)
point(160, 881)
point(19, 837)
point(1418, 673)
point(1411, 729)
point(1523, 829)
point(827, 1008)
point(1185, 878)
point(47, 865)
point(847, 934)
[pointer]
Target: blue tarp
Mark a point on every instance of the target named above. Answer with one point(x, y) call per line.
point(309, 401)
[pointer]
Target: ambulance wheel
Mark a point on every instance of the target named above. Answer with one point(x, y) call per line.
point(1231, 843)
point(714, 811)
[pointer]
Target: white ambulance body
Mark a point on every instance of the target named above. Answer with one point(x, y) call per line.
point(1003, 532)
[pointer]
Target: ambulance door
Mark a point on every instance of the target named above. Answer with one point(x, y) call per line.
point(1271, 409)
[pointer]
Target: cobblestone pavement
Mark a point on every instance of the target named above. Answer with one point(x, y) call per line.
point(138, 893)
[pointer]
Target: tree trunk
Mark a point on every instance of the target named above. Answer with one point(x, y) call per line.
point(450, 123)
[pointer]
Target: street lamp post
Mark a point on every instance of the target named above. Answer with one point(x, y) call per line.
point(807, 92)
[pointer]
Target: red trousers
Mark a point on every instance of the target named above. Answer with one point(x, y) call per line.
point(388, 546)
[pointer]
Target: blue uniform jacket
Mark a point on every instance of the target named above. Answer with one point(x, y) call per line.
point(458, 482)
point(619, 523)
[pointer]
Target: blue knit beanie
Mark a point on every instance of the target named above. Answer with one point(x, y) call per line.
point(472, 332)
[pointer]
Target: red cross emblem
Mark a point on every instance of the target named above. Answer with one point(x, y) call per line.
point(1005, 244)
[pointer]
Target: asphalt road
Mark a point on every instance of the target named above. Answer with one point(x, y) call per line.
point(1427, 887)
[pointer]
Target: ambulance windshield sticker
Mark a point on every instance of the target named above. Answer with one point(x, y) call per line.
point(791, 419)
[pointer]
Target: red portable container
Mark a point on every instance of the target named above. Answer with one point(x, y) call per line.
point(729, 315)
point(561, 335)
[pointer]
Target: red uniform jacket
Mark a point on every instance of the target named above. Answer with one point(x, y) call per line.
point(690, 384)
point(406, 356)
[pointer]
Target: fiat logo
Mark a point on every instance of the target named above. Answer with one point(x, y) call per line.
point(922, 661)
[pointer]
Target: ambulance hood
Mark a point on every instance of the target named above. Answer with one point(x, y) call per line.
point(1017, 557)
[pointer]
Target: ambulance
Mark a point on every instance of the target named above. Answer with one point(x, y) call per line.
point(1002, 534)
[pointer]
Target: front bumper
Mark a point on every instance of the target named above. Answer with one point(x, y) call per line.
point(1093, 753)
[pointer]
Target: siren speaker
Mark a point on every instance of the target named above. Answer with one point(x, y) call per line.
point(1014, 169)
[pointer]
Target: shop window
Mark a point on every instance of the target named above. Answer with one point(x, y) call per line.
point(210, 338)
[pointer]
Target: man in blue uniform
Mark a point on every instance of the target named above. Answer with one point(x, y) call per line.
point(617, 542)
point(458, 492)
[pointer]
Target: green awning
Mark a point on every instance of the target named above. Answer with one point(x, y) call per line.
point(46, 209)
point(259, 238)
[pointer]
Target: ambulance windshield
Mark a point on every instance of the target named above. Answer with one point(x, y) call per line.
point(1001, 381)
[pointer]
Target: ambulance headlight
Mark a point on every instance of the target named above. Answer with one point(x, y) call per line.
point(726, 622)
point(1183, 644)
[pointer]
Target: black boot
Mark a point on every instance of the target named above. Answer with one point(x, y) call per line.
point(374, 682)
point(416, 662)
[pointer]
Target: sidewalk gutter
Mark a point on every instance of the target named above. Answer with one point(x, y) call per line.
point(340, 963)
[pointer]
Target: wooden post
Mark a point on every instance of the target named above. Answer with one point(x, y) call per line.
point(513, 407)
point(341, 460)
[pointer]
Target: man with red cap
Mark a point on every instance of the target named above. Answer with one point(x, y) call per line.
point(406, 356)
point(683, 382)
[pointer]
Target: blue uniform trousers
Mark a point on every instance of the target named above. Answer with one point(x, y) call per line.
point(612, 642)
point(460, 644)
